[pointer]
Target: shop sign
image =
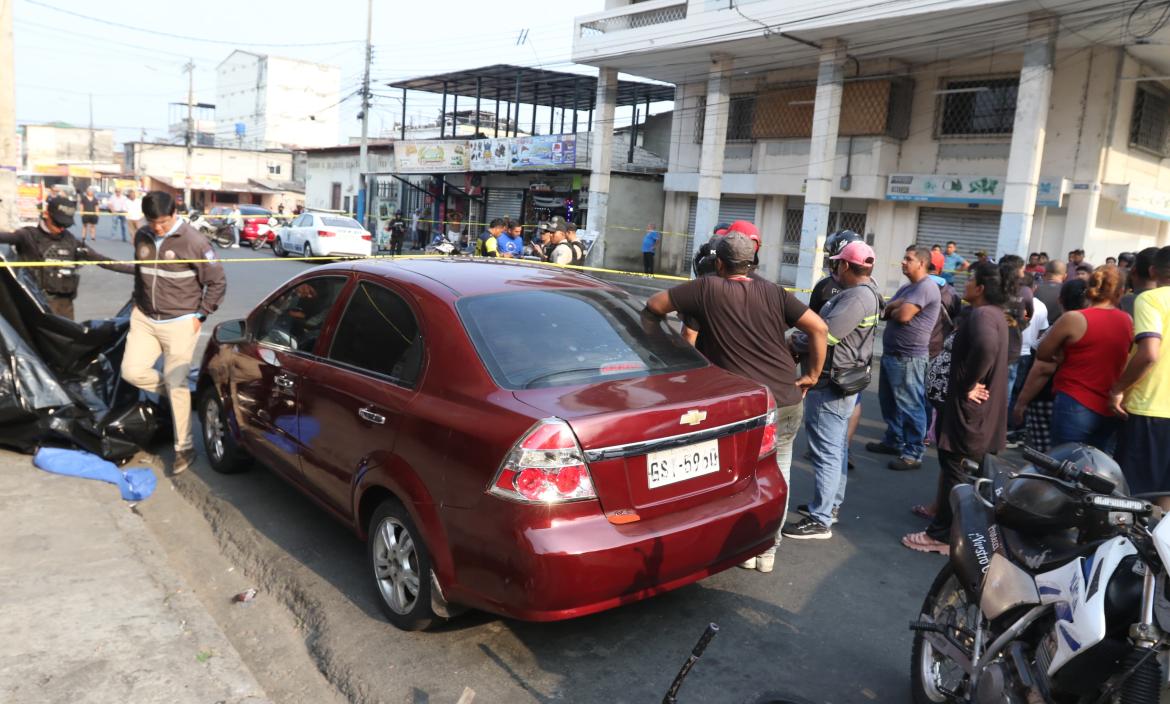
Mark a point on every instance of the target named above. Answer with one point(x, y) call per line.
point(431, 156)
point(546, 151)
point(51, 169)
point(951, 188)
point(1147, 202)
point(199, 182)
point(28, 196)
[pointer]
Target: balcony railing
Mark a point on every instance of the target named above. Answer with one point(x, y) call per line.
point(636, 16)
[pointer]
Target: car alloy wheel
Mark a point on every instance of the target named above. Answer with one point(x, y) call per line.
point(396, 566)
point(308, 250)
point(401, 568)
point(223, 452)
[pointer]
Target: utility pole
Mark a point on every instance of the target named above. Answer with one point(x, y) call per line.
point(190, 69)
point(92, 148)
point(364, 151)
point(9, 158)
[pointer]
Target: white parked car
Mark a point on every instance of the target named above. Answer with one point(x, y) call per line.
point(323, 235)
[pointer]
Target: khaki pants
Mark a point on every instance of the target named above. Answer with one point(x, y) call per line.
point(175, 342)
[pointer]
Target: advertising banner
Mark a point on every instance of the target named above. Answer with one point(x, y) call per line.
point(546, 151)
point(952, 188)
point(1147, 202)
point(430, 156)
point(28, 195)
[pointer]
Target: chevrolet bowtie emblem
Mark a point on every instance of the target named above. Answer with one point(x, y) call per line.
point(693, 418)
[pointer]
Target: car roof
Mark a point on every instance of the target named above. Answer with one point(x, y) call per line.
point(459, 277)
point(254, 209)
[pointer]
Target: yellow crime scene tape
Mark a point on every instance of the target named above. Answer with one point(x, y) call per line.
point(388, 257)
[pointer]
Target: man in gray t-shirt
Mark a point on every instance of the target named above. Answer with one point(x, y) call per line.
point(852, 317)
point(910, 316)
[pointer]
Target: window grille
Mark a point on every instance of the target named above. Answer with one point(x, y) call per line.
point(1150, 127)
point(984, 107)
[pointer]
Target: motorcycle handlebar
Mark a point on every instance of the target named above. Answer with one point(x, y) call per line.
point(1064, 469)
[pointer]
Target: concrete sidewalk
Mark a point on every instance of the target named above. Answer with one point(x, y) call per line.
point(90, 608)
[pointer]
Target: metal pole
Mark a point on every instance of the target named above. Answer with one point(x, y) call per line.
point(552, 113)
point(402, 131)
point(443, 114)
point(591, 118)
point(478, 92)
point(497, 127)
point(364, 149)
point(455, 115)
point(576, 91)
point(516, 124)
point(633, 138)
point(535, 100)
point(190, 69)
point(562, 119)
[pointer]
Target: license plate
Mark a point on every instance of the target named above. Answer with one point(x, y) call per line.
point(682, 463)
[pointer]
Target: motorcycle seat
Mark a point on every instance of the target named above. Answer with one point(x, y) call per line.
point(1042, 552)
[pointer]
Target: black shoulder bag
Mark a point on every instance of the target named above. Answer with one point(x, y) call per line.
point(855, 379)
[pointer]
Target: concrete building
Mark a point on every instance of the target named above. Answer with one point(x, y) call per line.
point(1004, 125)
point(266, 101)
point(219, 175)
point(332, 176)
point(50, 149)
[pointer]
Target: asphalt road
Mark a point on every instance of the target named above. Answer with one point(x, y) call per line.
point(829, 625)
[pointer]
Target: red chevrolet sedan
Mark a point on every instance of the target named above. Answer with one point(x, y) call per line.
point(505, 436)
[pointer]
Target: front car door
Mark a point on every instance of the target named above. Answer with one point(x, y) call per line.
point(359, 391)
point(269, 369)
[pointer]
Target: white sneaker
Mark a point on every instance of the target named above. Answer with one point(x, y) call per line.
point(234, 246)
point(765, 562)
point(748, 564)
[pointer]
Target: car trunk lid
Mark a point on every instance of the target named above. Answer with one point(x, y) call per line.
point(663, 442)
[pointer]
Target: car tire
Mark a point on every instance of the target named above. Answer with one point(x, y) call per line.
point(308, 252)
point(400, 566)
point(223, 452)
point(278, 248)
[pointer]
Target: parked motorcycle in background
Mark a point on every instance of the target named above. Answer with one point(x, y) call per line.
point(263, 231)
point(1055, 590)
point(220, 234)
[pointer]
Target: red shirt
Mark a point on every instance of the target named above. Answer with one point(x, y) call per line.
point(1094, 362)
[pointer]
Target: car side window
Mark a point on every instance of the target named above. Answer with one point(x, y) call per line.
point(379, 333)
point(295, 318)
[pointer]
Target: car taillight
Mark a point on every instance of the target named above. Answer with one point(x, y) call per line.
point(545, 466)
point(325, 233)
point(768, 441)
point(367, 236)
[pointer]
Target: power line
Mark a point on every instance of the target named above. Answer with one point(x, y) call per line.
point(204, 40)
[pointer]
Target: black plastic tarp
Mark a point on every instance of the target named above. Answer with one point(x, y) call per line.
point(59, 379)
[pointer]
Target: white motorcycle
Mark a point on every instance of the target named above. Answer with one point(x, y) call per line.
point(1055, 590)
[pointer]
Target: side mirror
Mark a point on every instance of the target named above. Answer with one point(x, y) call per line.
point(232, 332)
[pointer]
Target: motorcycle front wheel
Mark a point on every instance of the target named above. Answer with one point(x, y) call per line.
point(935, 678)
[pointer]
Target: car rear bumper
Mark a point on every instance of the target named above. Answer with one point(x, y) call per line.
point(344, 251)
point(522, 562)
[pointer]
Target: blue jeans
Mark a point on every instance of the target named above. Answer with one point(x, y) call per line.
point(902, 395)
point(787, 426)
point(826, 422)
point(1073, 422)
point(120, 226)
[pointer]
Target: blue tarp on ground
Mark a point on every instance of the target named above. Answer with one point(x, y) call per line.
point(135, 484)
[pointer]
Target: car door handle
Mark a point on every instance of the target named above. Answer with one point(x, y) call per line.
point(376, 418)
point(284, 381)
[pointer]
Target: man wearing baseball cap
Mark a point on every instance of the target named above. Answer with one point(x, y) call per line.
point(51, 241)
point(742, 324)
point(561, 252)
point(852, 317)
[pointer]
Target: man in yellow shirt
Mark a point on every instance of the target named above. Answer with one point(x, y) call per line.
point(1142, 394)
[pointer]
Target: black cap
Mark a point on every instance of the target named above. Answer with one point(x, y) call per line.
point(61, 211)
point(555, 224)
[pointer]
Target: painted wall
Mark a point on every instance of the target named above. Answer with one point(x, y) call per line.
point(322, 170)
point(281, 102)
point(48, 145)
point(634, 202)
point(233, 165)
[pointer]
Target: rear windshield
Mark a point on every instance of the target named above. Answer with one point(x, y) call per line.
point(245, 210)
point(339, 222)
point(534, 339)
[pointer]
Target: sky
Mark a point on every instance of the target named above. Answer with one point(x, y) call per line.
point(134, 71)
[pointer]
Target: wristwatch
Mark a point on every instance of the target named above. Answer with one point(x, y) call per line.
point(201, 316)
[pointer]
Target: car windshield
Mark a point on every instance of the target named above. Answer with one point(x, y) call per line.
point(328, 221)
point(533, 339)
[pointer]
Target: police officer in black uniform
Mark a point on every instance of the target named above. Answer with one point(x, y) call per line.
point(51, 241)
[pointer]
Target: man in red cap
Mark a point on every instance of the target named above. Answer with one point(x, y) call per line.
point(742, 321)
point(852, 317)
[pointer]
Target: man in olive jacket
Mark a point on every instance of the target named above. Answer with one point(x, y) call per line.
point(178, 285)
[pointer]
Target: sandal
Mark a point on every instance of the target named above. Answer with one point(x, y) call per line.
point(921, 542)
point(922, 511)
